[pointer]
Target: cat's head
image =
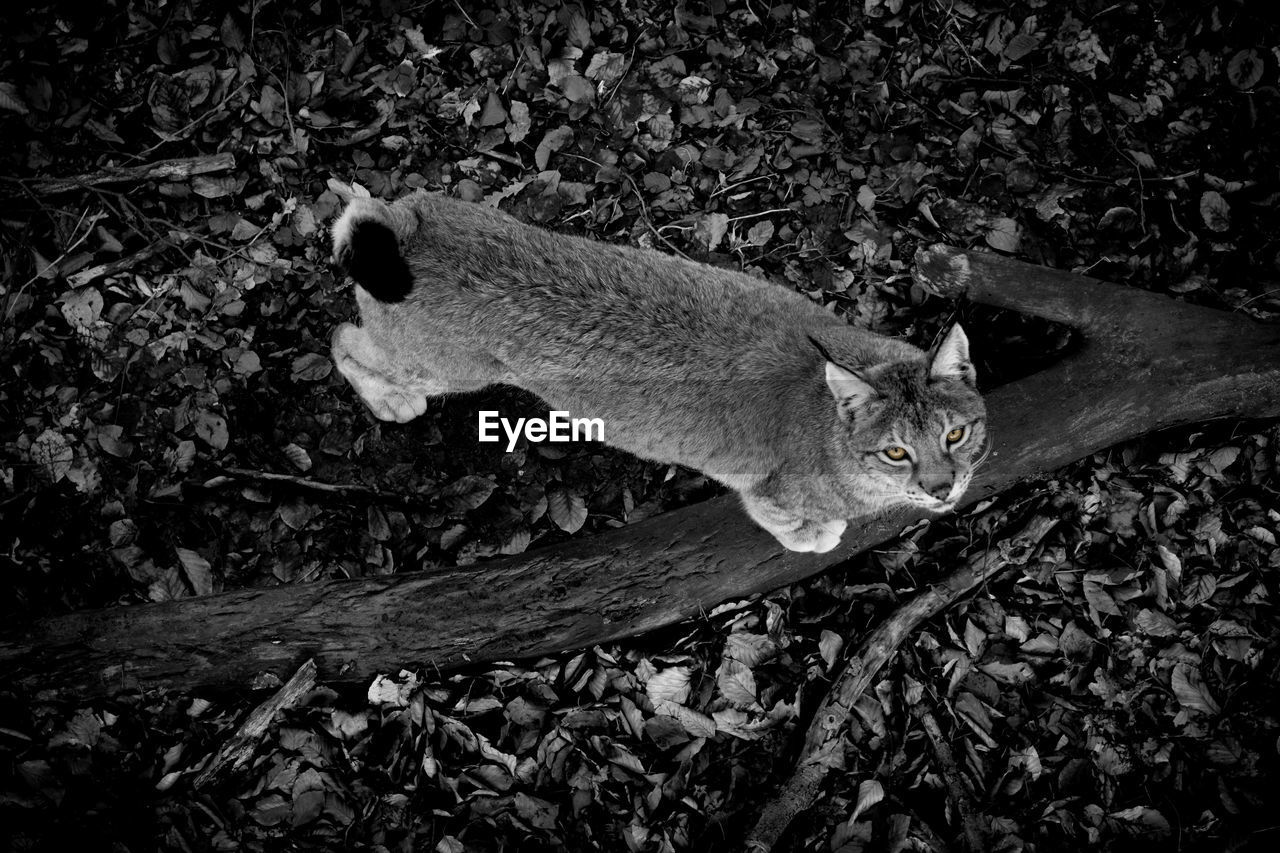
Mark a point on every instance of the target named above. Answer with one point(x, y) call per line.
point(912, 432)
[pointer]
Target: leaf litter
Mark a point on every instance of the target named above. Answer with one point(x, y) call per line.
point(1117, 692)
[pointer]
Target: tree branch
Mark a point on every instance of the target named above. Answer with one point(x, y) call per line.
point(239, 749)
point(971, 828)
point(824, 741)
point(182, 167)
point(1056, 295)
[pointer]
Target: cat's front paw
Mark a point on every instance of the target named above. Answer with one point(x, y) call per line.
point(814, 536)
point(398, 406)
point(387, 399)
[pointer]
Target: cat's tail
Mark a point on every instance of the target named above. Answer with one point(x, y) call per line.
point(367, 248)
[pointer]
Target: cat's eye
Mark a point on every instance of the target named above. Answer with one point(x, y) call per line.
point(895, 453)
point(955, 435)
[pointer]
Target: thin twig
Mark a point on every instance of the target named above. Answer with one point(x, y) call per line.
point(191, 125)
point(644, 214)
point(119, 265)
point(644, 208)
point(505, 158)
point(235, 475)
point(11, 302)
point(761, 213)
point(463, 13)
point(621, 77)
point(727, 187)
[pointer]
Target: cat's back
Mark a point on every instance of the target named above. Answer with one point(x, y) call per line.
point(536, 294)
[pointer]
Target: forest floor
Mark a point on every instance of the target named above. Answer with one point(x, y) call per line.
point(1120, 692)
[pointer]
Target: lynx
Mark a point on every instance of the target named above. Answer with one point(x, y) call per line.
point(810, 420)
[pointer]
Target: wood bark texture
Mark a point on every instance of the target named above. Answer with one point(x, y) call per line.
point(1146, 362)
point(240, 747)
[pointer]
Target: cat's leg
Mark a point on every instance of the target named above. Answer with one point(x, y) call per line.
point(793, 531)
point(365, 365)
point(826, 534)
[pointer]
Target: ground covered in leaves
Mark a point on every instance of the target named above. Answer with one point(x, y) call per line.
point(164, 354)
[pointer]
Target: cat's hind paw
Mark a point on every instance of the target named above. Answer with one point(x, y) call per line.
point(816, 537)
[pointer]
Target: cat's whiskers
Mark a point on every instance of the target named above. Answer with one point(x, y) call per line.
point(983, 457)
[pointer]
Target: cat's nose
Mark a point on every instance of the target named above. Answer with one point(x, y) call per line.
point(937, 490)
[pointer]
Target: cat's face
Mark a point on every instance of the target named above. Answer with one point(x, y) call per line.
point(913, 432)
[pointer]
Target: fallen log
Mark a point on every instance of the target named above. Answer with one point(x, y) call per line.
point(1145, 362)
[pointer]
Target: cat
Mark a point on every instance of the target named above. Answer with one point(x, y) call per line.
point(810, 420)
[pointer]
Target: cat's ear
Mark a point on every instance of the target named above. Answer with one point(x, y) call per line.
point(951, 361)
point(850, 390)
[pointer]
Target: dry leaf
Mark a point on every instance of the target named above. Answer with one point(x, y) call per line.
point(552, 141)
point(737, 684)
point(518, 122)
point(760, 233)
point(1215, 211)
point(1190, 691)
point(669, 685)
point(9, 100)
point(1244, 71)
point(830, 644)
point(1004, 235)
point(467, 492)
point(695, 723)
point(387, 691)
point(297, 456)
point(567, 510)
point(1020, 45)
point(199, 572)
point(710, 229)
point(311, 367)
point(870, 792)
point(82, 308)
point(212, 429)
point(749, 648)
point(53, 454)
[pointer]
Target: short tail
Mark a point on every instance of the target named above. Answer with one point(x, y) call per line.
point(366, 248)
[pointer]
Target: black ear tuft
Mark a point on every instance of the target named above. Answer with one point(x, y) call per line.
point(372, 257)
